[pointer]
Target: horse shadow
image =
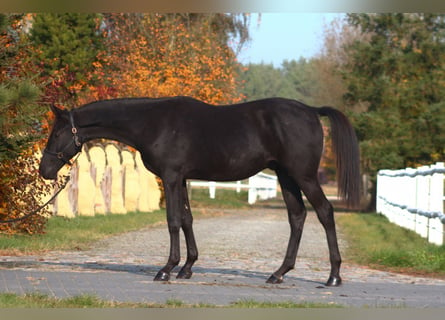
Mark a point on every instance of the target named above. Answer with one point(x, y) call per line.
point(210, 274)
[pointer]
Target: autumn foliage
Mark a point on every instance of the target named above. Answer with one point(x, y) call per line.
point(169, 56)
point(74, 59)
point(20, 187)
point(22, 192)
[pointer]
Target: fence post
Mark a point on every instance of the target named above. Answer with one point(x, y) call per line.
point(422, 202)
point(399, 214)
point(436, 197)
point(212, 189)
point(253, 191)
point(410, 197)
point(380, 185)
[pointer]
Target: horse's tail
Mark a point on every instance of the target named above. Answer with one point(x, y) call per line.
point(345, 146)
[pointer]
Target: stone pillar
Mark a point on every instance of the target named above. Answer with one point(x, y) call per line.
point(87, 187)
point(117, 183)
point(131, 181)
point(97, 157)
point(150, 194)
point(63, 205)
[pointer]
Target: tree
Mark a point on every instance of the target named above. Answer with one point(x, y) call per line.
point(301, 77)
point(294, 80)
point(395, 87)
point(20, 115)
point(158, 55)
point(18, 92)
point(264, 81)
point(398, 77)
point(331, 63)
point(66, 47)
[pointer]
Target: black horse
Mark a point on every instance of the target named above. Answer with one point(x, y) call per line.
point(182, 138)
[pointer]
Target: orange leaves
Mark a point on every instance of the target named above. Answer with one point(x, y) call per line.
point(167, 57)
point(22, 191)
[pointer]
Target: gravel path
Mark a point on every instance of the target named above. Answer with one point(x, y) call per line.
point(239, 249)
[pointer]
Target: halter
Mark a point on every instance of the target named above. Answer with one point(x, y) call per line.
point(77, 144)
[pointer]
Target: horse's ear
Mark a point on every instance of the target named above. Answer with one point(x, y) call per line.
point(57, 111)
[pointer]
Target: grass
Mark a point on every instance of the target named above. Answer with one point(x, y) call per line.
point(252, 304)
point(81, 232)
point(77, 233)
point(37, 300)
point(224, 199)
point(374, 241)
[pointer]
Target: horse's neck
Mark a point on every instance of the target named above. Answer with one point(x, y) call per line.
point(103, 122)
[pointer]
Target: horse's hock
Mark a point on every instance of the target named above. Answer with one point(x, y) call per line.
point(107, 179)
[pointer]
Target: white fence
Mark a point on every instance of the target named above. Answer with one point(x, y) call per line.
point(261, 185)
point(414, 199)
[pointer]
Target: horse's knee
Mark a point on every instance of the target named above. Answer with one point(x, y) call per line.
point(174, 229)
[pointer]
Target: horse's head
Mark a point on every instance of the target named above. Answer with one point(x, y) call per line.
point(62, 145)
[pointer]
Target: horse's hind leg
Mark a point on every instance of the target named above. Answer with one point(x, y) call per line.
point(175, 205)
point(187, 227)
point(325, 213)
point(297, 216)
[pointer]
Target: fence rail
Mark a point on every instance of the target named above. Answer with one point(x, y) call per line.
point(414, 199)
point(261, 185)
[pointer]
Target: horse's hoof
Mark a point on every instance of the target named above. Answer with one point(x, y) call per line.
point(333, 281)
point(162, 276)
point(184, 274)
point(274, 279)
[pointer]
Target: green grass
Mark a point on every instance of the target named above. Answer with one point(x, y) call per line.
point(252, 304)
point(78, 233)
point(225, 199)
point(81, 232)
point(37, 300)
point(374, 241)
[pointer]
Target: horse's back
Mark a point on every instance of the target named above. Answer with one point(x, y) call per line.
point(235, 141)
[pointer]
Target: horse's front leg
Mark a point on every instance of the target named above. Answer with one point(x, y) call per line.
point(187, 227)
point(175, 205)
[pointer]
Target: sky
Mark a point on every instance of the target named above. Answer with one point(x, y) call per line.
point(285, 36)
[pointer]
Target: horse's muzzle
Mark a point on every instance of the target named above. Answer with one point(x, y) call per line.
point(47, 172)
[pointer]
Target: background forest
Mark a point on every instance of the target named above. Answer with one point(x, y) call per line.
point(385, 71)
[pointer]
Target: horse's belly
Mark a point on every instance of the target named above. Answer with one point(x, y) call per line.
point(225, 168)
